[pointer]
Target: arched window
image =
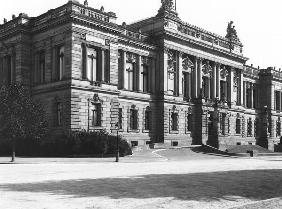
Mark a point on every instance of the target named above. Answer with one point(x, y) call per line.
point(61, 62)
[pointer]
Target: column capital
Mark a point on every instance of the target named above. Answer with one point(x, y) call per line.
point(166, 49)
point(180, 53)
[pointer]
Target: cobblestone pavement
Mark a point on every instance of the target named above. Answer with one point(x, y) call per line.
point(219, 182)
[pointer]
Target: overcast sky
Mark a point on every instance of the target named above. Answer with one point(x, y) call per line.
point(258, 22)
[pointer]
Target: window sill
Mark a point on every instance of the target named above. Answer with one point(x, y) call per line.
point(174, 132)
point(133, 131)
point(146, 131)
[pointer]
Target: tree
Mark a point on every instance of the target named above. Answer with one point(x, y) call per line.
point(20, 117)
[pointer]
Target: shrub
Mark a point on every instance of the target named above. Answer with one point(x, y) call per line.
point(78, 143)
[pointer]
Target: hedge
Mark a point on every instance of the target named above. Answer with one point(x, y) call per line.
point(73, 144)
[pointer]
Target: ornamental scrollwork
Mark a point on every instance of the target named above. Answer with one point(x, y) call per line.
point(130, 57)
point(223, 72)
point(207, 68)
point(187, 64)
point(171, 60)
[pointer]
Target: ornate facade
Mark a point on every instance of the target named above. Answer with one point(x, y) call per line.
point(157, 80)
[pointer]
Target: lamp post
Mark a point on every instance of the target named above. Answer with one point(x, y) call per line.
point(117, 143)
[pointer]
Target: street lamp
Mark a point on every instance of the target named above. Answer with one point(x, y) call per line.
point(117, 149)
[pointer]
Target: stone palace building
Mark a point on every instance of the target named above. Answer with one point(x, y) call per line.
point(158, 80)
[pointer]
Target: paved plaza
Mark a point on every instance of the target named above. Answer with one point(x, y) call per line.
point(148, 181)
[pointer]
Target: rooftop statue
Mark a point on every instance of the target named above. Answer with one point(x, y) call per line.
point(168, 4)
point(231, 32)
point(168, 7)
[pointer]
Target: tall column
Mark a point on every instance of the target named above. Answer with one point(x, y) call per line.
point(242, 88)
point(125, 79)
point(200, 77)
point(195, 79)
point(180, 90)
point(139, 75)
point(218, 80)
point(214, 77)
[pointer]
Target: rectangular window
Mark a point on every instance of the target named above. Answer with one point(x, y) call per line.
point(92, 57)
point(223, 123)
point(147, 120)
point(238, 126)
point(60, 62)
point(250, 128)
point(96, 115)
point(206, 90)
point(144, 78)
point(133, 119)
point(174, 121)
point(189, 122)
point(59, 114)
point(129, 78)
point(41, 67)
point(8, 69)
point(277, 100)
point(107, 66)
point(186, 85)
point(249, 97)
point(223, 90)
point(120, 118)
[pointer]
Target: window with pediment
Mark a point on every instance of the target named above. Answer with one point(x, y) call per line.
point(172, 72)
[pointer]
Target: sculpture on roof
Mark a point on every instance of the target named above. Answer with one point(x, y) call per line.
point(168, 7)
point(231, 32)
point(168, 4)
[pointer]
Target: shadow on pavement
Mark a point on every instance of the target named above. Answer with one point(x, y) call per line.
point(254, 184)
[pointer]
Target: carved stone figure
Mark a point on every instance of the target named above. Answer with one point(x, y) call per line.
point(168, 4)
point(231, 32)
